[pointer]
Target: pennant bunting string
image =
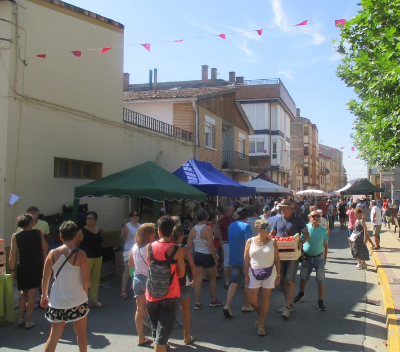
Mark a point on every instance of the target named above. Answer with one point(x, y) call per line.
point(104, 50)
point(77, 53)
point(304, 23)
point(223, 36)
point(259, 31)
point(146, 46)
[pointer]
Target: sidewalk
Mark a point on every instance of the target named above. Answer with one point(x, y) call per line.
point(387, 263)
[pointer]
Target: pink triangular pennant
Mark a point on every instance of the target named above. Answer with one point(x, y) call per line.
point(320, 150)
point(340, 23)
point(43, 56)
point(304, 23)
point(77, 53)
point(178, 41)
point(146, 46)
point(223, 36)
point(332, 149)
point(341, 147)
point(353, 149)
point(259, 31)
point(104, 50)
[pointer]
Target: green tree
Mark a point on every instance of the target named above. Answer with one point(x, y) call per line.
point(370, 45)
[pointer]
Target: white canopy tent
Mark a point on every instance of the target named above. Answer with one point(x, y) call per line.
point(311, 192)
point(265, 186)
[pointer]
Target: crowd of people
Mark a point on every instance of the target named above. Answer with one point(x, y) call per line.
point(170, 259)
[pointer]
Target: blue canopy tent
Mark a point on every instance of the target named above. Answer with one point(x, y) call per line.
point(208, 179)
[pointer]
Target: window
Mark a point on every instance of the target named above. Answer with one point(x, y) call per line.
point(252, 146)
point(209, 132)
point(306, 171)
point(305, 151)
point(242, 138)
point(69, 168)
point(306, 130)
point(260, 147)
point(274, 150)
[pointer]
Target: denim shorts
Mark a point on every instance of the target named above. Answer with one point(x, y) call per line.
point(139, 285)
point(236, 274)
point(317, 263)
point(289, 269)
point(204, 260)
point(186, 292)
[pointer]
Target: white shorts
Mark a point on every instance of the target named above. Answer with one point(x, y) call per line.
point(225, 246)
point(126, 256)
point(267, 283)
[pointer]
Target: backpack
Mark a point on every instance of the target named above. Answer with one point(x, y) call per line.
point(160, 277)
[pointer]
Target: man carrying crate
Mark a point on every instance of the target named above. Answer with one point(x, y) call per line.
point(286, 226)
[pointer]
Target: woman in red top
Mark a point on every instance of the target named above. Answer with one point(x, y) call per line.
point(352, 220)
point(163, 311)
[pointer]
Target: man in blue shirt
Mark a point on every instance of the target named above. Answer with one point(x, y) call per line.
point(285, 226)
point(316, 251)
point(238, 233)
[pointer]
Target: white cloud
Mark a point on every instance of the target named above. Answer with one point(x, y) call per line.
point(250, 54)
point(285, 73)
point(281, 21)
point(334, 57)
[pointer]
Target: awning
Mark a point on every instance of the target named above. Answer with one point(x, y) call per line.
point(207, 178)
point(365, 187)
point(146, 180)
point(266, 187)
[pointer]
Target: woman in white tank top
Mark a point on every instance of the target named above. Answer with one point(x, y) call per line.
point(261, 265)
point(128, 236)
point(68, 299)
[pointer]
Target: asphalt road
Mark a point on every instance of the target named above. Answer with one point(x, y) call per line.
point(351, 322)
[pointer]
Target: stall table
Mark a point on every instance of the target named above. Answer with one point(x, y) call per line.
point(7, 312)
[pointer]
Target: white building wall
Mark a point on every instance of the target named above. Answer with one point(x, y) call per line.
point(163, 111)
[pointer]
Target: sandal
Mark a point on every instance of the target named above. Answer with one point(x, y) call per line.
point(191, 341)
point(256, 324)
point(124, 295)
point(96, 304)
point(21, 323)
point(146, 342)
point(261, 330)
point(29, 325)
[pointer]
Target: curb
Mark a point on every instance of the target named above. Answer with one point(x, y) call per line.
point(390, 310)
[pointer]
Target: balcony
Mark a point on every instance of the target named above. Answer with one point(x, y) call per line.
point(235, 160)
point(134, 118)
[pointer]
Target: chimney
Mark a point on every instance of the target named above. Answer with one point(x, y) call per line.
point(232, 75)
point(240, 80)
point(214, 74)
point(126, 81)
point(150, 79)
point(155, 80)
point(204, 73)
point(298, 112)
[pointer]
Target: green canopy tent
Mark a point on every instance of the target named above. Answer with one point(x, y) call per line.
point(146, 180)
point(364, 187)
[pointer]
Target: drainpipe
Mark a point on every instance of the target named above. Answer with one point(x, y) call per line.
point(196, 128)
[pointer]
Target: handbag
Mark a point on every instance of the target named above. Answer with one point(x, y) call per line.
point(262, 274)
point(354, 236)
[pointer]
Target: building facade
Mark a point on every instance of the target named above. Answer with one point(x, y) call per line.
point(218, 123)
point(61, 122)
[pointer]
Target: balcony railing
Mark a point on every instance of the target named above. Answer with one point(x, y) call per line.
point(235, 160)
point(137, 119)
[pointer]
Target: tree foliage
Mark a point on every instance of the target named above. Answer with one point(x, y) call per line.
point(370, 45)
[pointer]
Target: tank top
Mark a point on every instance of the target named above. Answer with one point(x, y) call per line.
point(67, 290)
point(200, 245)
point(159, 251)
point(130, 239)
point(261, 256)
point(91, 243)
point(139, 257)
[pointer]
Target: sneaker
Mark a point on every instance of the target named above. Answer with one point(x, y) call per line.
point(365, 266)
point(280, 310)
point(227, 312)
point(299, 297)
point(216, 303)
point(320, 306)
point(359, 267)
point(286, 313)
point(198, 306)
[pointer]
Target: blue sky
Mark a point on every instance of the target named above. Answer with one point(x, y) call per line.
point(303, 57)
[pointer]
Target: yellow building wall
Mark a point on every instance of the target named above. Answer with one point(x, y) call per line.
point(212, 155)
point(66, 107)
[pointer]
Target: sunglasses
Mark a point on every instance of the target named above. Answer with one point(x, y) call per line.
point(316, 216)
point(135, 214)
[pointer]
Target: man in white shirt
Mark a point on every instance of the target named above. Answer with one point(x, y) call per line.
point(376, 221)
